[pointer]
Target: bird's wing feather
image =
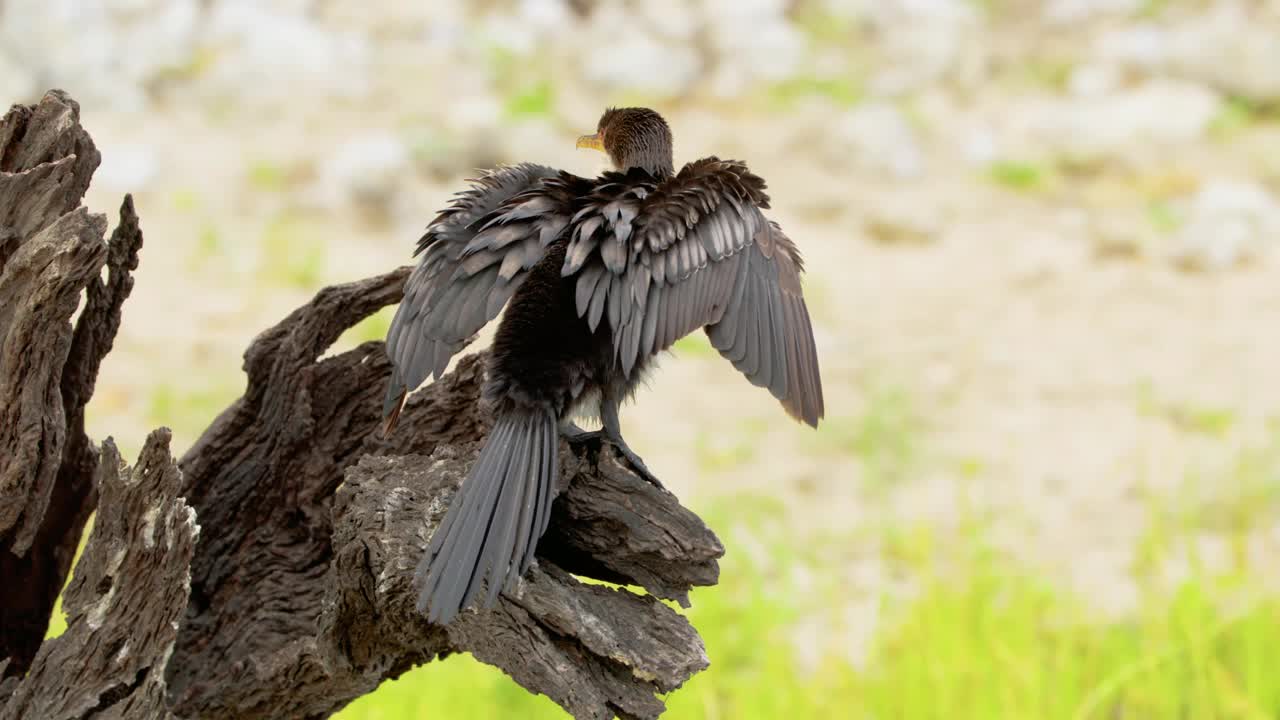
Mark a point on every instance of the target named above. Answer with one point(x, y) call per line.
point(660, 260)
point(473, 257)
point(767, 334)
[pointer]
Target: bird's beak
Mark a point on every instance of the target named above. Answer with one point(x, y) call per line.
point(591, 141)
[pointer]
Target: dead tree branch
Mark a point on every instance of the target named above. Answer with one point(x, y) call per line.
point(51, 251)
point(125, 601)
point(296, 596)
point(313, 589)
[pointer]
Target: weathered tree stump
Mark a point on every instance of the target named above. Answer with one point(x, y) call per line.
point(267, 574)
point(52, 253)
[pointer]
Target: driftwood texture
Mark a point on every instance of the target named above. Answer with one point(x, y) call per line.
point(267, 574)
point(52, 253)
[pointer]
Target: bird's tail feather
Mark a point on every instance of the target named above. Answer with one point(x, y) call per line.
point(393, 402)
point(495, 520)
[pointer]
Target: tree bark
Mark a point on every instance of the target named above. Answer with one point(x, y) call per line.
point(51, 254)
point(124, 603)
point(293, 596)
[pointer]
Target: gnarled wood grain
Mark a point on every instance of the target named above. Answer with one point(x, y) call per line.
point(123, 604)
point(295, 596)
point(314, 524)
point(51, 254)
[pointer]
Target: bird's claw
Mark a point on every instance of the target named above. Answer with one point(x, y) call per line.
point(637, 465)
point(575, 434)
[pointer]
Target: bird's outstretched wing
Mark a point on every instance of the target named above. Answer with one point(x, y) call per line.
point(662, 259)
point(474, 256)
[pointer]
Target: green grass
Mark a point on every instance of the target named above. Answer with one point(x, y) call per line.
point(885, 436)
point(1152, 8)
point(535, 101)
point(1006, 645)
point(185, 200)
point(982, 638)
point(1048, 72)
point(1214, 422)
point(824, 29)
point(964, 630)
point(1235, 115)
point(845, 91)
point(188, 409)
point(194, 66)
point(210, 249)
point(1164, 217)
point(725, 451)
point(267, 176)
point(1019, 176)
point(1239, 114)
point(374, 327)
point(291, 253)
point(694, 345)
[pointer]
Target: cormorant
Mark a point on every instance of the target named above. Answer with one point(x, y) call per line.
point(598, 276)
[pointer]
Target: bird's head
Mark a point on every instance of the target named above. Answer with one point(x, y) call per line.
point(633, 138)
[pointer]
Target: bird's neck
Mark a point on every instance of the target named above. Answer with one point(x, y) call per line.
point(657, 162)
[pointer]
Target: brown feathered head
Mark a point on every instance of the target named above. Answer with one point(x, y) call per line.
point(633, 138)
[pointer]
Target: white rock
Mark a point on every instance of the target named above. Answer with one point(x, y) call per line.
point(637, 60)
point(537, 140)
point(1143, 47)
point(879, 139)
point(980, 146)
point(510, 33)
point(267, 54)
point(753, 42)
point(127, 167)
point(921, 54)
point(928, 11)
point(847, 9)
point(1156, 113)
point(475, 110)
point(103, 52)
point(154, 36)
point(921, 41)
point(18, 83)
point(1230, 221)
point(368, 170)
point(1066, 12)
point(1230, 50)
point(1094, 79)
point(745, 8)
point(673, 19)
point(1225, 47)
point(544, 15)
point(534, 23)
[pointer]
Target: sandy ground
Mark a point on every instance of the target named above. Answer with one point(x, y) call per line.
point(1010, 342)
point(1016, 367)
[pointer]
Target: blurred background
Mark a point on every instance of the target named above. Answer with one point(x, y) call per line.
point(1041, 240)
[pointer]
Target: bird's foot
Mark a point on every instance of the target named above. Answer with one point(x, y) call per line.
point(637, 465)
point(573, 433)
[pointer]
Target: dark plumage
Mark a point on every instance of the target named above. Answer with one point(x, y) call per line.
point(598, 276)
